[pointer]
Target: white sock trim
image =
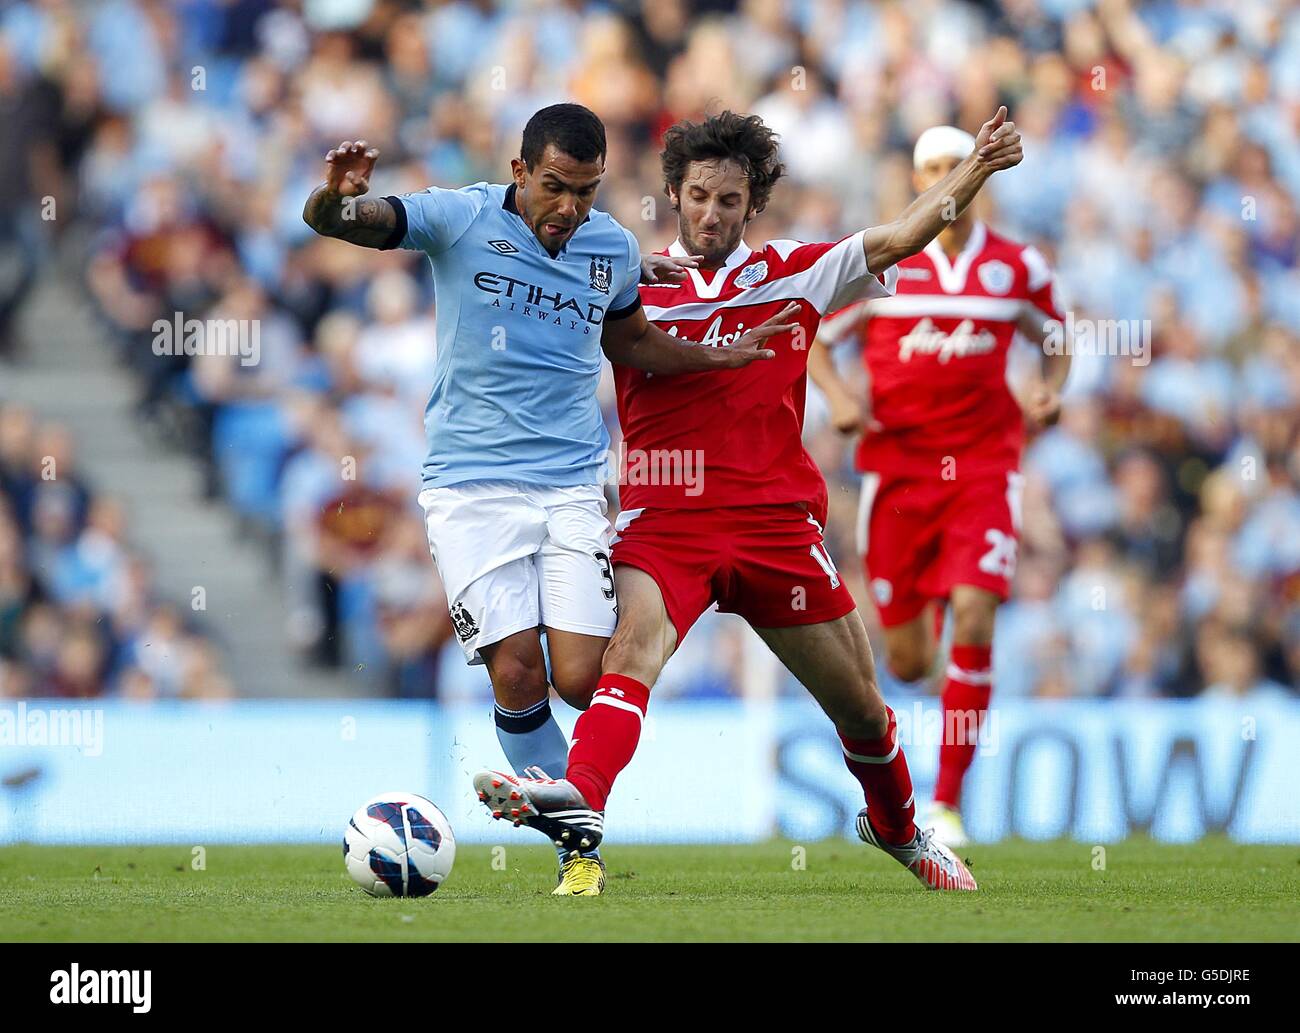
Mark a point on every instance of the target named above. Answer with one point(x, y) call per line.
point(872, 760)
point(545, 702)
point(621, 704)
point(984, 677)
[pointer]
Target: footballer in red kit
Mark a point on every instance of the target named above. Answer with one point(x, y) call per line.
point(720, 503)
point(939, 515)
point(753, 518)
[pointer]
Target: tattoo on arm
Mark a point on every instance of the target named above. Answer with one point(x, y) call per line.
point(368, 222)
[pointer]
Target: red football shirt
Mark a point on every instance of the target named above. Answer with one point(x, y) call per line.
point(936, 353)
point(733, 437)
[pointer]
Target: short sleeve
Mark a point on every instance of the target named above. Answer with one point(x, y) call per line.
point(854, 280)
point(432, 220)
point(627, 296)
point(834, 274)
point(1041, 289)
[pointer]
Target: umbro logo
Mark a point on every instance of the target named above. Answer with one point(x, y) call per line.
point(503, 246)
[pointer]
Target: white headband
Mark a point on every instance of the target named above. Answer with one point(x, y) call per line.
point(942, 142)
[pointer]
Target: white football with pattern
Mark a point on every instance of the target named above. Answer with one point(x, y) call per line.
point(398, 845)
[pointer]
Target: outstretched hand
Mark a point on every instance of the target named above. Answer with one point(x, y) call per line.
point(348, 167)
point(750, 345)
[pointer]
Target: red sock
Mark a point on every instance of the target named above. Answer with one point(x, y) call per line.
point(965, 700)
point(606, 735)
point(881, 767)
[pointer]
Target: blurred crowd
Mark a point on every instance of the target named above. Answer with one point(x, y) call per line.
point(79, 616)
point(1161, 550)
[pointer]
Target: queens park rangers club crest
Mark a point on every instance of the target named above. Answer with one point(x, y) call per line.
point(602, 271)
point(995, 277)
point(751, 275)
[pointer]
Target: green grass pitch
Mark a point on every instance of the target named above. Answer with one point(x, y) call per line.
point(1214, 890)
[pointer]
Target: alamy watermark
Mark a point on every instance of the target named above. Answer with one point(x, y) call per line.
point(53, 726)
point(1128, 338)
point(931, 726)
point(73, 985)
point(675, 467)
point(218, 337)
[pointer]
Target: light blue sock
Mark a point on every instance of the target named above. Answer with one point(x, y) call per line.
point(531, 738)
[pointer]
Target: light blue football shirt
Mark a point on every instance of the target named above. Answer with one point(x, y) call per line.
point(514, 389)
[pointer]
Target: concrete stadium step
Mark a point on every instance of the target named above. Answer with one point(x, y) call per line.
point(71, 376)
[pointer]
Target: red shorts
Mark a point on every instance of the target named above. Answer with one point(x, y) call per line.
point(921, 536)
point(766, 563)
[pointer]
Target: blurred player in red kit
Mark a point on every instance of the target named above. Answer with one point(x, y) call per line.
point(720, 501)
point(939, 516)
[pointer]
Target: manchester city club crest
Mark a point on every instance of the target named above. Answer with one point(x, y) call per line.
point(996, 276)
point(463, 622)
point(602, 271)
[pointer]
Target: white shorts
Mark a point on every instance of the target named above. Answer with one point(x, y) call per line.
point(516, 556)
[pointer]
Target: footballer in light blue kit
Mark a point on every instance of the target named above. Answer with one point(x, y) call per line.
point(532, 285)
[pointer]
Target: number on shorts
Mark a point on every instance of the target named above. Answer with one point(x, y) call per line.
point(606, 575)
point(1000, 560)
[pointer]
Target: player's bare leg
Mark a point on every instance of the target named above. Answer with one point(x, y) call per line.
point(910, 647)
point(967, 686)
point(575, 665)
point(517, 668)
point(645, 637)
point(833, 661)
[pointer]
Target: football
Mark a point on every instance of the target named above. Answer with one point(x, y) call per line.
point(398, 845)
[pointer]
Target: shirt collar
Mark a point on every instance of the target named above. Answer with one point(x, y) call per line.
point(973, 246)
point(704, 288)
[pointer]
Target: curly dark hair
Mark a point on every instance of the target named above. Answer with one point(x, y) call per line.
point(742, 138)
